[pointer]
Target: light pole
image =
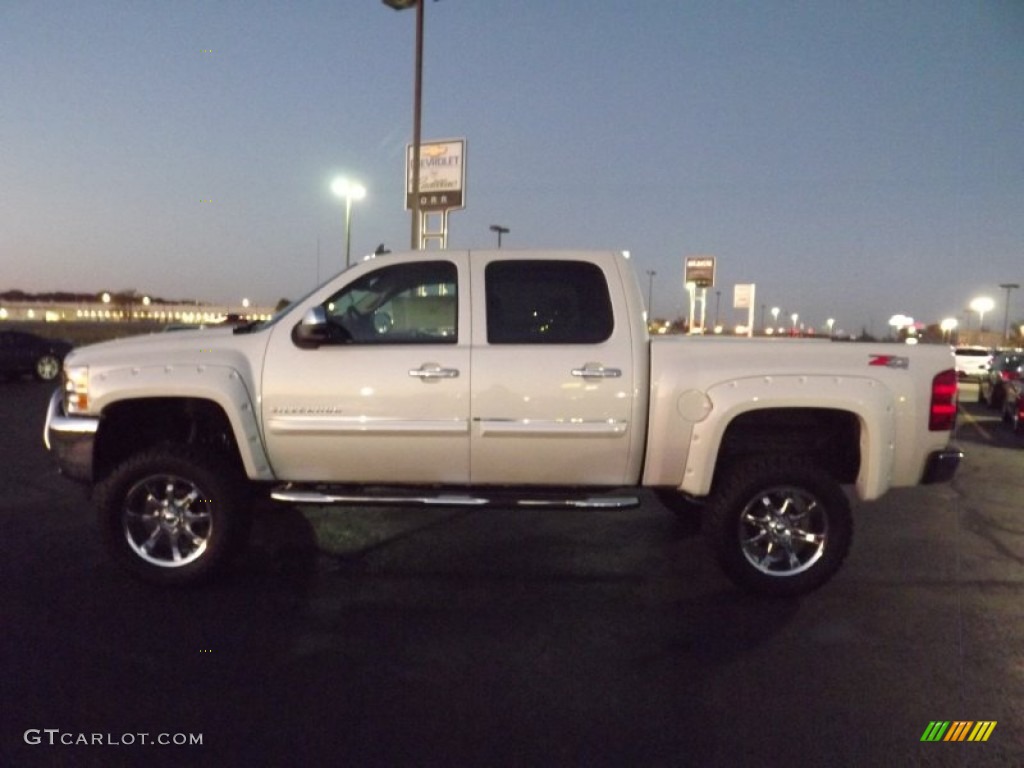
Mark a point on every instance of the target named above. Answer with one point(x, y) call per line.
point(500, 230)
point(775, 317)
point(417, 111)
point(350, 191)
point(1006, 310)
point(981, 305)
point(650, 295)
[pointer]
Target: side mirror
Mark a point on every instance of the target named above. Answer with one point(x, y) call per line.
point(312, 330)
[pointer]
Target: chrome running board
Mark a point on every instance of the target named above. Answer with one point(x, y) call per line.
point(298, 495)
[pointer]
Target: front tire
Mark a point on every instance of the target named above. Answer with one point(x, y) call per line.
point(172, 515)
point(779, 526)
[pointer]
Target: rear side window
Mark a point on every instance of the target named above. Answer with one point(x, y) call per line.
point(547, 302)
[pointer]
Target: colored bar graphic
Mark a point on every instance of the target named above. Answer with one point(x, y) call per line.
point(982, 730)
point(958, 730)
point(935, 731)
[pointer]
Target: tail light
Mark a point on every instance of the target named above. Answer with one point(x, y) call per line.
point(942, 411)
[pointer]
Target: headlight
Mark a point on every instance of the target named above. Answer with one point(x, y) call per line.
point(76, 389)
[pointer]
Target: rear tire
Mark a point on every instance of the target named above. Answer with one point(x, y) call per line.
point(172, 515)
point(779, 526)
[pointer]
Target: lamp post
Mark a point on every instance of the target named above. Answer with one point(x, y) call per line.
point(1006, 310)
point(650, 295)
point(775, 317)
point(417, 110)
point(500, 230)
point(981, 305)
point(349, 191)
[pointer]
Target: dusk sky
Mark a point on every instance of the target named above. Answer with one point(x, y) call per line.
point(852, 159)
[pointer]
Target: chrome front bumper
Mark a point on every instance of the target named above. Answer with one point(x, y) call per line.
point(70, 439)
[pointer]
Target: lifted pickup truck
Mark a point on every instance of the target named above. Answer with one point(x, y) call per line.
point(496, 377)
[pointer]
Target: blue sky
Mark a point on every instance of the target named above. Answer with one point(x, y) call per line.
point(852, 159)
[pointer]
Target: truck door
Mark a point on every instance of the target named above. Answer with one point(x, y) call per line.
point(385, 397)
point(553, 373)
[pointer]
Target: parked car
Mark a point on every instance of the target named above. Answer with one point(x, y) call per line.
point(1013, 405)
point(22, 352)
point(971, 362)
point(1006, 366)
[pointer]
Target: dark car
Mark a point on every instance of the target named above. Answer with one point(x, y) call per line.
point(22, 353)
point(1013, 405)
point(1006, 366)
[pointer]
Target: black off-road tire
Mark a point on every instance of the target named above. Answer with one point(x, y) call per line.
point(173, 515)
point(779, 525)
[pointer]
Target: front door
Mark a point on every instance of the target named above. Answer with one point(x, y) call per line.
point(385, 399)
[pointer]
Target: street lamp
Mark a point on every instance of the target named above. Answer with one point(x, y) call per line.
point(775, 317)
point(831, 323)
point(417, 112)
point(1006, 310)
point(650, 295)
point(350, 191)
point(948, 325)
point(981, 305)
point(500, 230)
point(794, 317)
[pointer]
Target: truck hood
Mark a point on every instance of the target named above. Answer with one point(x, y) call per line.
point(214, 346)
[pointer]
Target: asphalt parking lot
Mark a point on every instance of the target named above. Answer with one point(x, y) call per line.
point(397, 637)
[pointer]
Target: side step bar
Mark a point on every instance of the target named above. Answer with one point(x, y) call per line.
point(294, 495)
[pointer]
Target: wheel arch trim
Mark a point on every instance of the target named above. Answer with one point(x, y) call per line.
point(871, 403)
point(221, 385)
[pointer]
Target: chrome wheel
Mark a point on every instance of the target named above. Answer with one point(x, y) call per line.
point(783, 531)
point(167, 520)
point(779, 525)
point(174, 514)
point(47, 368)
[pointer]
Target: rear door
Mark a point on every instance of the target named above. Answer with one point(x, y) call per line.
point(553, 378)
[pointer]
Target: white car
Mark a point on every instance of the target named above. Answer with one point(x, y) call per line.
point(972, 362)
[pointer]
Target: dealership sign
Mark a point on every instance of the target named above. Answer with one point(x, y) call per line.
point(442, 175)
point(700, 270)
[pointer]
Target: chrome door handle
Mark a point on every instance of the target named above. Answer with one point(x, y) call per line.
point(429, 371)
point(591, 371)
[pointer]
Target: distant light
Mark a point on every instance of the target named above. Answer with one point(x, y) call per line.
point(900, 321)
point(348, 189)
point(982, 304)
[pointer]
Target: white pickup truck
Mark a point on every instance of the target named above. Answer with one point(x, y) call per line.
point(496, 377)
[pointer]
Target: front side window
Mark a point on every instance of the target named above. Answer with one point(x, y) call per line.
point(398, 304)
point(547, 302)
